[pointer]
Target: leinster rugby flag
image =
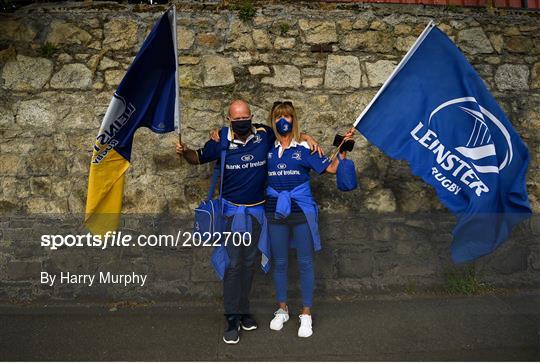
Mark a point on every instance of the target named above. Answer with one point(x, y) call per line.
point(146, 97)
point(435, 112)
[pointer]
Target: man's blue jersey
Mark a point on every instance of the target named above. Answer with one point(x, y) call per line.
point(244, 178)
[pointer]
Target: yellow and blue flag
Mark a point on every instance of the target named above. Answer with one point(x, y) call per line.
point(148, 96)
point(436, 112)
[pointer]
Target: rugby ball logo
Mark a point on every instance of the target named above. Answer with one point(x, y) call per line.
point(479, 147)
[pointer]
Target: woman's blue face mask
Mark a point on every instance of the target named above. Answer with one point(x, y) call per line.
point(283, 126)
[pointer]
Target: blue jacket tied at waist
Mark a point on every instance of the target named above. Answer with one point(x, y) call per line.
point(303, 197)
point(241, 222)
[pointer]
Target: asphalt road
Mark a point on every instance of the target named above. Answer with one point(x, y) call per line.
point(485, 328)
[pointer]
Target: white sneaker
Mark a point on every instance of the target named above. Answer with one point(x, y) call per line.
point(281, 317)
point(305, 330)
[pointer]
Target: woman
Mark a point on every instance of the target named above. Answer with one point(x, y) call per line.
point(292, 211)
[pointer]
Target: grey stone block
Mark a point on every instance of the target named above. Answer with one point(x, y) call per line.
point(23, 270)
point(515, 260)
point(534, 258)
point(535, 225)
point(170, 267)
point(354, 263)
point(201, 268)
point(17, 234)
point(22, 223)
point(72, 260)
point(325, 263)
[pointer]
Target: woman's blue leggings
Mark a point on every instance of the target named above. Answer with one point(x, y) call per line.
point(282, 237)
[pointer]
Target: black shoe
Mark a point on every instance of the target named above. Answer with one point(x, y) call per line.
point(248, 323)
point(231, 336)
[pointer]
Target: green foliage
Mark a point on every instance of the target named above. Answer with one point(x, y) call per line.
point(411, 288)
point(283, 28)
point(230, 88)
point(452, 8)
point(246, 10)
point(48, 49)
point(464, 282)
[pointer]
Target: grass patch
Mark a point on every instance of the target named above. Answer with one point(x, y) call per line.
point(464, 281)
point(47, 50)
point(283, 28)
point(452, 8)
point(229, 88)
point(411, 288)
point(246, 10)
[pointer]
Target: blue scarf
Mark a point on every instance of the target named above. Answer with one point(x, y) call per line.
point(242, 223)
point(303, 197)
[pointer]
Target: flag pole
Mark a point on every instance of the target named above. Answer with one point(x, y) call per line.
point(401, 64)
point(177, 74)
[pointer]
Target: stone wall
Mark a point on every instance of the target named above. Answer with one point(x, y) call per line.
point(329, 60)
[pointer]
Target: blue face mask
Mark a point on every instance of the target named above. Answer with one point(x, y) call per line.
point(283, 126)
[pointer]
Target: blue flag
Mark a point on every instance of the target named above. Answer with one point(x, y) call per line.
point(148, 93)
point(435, 112)
point(148, 96)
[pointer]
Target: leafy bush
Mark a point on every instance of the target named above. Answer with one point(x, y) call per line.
point(246, 10)
point(464, 282)
point(48, 49)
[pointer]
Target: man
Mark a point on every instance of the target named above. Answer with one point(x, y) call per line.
point(244, 180)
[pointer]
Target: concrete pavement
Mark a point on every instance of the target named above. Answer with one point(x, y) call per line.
point(492, 328)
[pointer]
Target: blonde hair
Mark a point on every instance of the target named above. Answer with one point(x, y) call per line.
point(285, 109)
